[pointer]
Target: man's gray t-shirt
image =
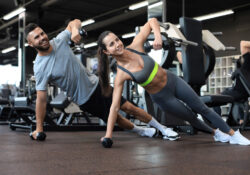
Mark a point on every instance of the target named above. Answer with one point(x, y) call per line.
point(62, 68)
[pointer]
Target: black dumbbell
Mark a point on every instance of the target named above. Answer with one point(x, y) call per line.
point(82, 32)
point(165, 45)
point(40, 136)
point(107, 143)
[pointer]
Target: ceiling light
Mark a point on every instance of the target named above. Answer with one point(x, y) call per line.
point(214, 15)
point(87, 22)
point(90, 45)
point(128, 35)
point(155, 5)
point(9, 49)
point(14, 13)
point(138, 5)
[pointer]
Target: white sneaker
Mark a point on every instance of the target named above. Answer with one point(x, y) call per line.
point(169, 134)
point(237, 138)
point(221, 136)
point(148, 132)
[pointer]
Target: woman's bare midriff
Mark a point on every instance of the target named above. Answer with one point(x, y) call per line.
point(158, 82)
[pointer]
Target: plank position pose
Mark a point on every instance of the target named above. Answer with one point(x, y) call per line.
point(165, 88)
point(56, 63)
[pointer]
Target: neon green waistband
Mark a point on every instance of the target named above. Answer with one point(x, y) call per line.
point(151, 76)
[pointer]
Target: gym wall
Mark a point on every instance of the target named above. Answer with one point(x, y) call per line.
point(235, 28)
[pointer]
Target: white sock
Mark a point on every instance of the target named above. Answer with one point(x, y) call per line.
point(153, 122)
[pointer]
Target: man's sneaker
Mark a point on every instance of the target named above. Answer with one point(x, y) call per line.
point(148, 132)
point(169, 134)
point(221, 136)
point(237, 138)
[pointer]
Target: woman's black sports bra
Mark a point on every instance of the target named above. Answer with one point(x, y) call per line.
point(147, 74)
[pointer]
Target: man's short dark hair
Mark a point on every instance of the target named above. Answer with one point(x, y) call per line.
point(29, 28)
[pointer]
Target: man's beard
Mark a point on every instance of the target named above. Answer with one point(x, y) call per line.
point(40, 48)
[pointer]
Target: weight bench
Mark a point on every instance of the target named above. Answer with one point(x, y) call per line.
point(69, 111)
point(23, 115)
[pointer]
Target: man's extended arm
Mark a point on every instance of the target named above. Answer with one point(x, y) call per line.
point(74, 27)
point(41, 103)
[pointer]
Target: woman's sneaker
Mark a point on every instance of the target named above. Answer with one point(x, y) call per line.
point(221, 136)
point(148, 132)
point(169, 134)
point(237, 138)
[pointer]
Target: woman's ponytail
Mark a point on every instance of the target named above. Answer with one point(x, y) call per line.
point(103, 65)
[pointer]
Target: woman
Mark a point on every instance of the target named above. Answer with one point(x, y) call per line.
point(165, 88)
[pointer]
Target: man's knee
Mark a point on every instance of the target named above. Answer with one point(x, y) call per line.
point(127, 107)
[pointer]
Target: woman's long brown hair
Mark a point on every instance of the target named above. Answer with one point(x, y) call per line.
point(103, 65)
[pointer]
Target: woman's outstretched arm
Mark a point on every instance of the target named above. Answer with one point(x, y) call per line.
point(115, 107)
point(140, 39)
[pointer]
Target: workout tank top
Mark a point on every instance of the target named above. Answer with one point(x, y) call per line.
point(147, 74)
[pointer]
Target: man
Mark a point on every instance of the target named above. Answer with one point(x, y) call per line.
point(238, 91)
point(55, 62)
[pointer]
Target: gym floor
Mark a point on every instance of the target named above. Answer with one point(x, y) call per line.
point(80, 153)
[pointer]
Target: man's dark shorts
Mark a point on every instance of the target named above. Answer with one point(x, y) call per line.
point(99, 105)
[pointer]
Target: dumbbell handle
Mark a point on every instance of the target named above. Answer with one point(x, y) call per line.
point(82, 32)
point(165, 46)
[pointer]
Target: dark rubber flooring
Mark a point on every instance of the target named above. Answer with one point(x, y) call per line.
point(80, 153)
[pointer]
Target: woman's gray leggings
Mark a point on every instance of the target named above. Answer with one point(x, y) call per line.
point(178, 98)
